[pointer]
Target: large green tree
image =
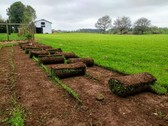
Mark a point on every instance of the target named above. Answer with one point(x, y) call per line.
point(103, 23)
point(20, 13)
point(16, 12)
point(122, 24)
point(29, 14)
point(142, 25)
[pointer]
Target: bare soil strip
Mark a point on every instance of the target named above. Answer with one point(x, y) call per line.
point(45, 103)
point(108, 109)
point(4, 87)
point(49, 105)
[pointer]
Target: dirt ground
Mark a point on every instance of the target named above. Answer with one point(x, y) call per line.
point(4, 83)
point(47, 104)
point(140, 110)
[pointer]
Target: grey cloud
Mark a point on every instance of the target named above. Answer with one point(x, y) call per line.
point(147, 2)
point(74, 14)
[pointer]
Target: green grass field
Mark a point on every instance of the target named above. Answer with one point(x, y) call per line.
point(126, 53)
point(12, 36)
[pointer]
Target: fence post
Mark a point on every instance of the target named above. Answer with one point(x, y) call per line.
point(7, 30)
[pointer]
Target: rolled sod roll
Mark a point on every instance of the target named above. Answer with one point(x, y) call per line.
point(67, 54)
point(27, 50)
point(87, 61)
point(131, 84)
point(29, 46)
point(23, 44)
point(45, 47)
point(51, 55)
point(53, 51)
point(68, 70)
point(36, 53)
point(51, 60)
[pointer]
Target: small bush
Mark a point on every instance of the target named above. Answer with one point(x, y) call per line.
point(29, 36)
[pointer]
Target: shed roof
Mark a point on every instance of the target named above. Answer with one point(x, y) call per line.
point(43, 20)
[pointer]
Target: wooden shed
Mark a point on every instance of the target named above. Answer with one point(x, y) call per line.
point(43, 26)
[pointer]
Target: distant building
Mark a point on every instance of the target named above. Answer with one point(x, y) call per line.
point(43, 26)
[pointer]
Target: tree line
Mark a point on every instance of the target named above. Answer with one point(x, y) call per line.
point(123, 25)
point(18, 13)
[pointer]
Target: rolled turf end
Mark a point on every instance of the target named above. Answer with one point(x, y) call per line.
point(132, 84)
point(88, 61)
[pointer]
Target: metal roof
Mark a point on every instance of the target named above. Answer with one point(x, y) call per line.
point(43, 20)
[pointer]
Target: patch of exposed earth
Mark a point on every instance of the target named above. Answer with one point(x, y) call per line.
point(4, 84)
point(46, 103)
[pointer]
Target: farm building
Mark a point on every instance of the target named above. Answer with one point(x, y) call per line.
point(43, 26)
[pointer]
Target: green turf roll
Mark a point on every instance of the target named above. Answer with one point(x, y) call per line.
point(131, 84)
point(51, 59)
point(44, 47)
point(88, 61)
point(25, 46)
point(30, 46)
point(36, 53)
point(51, 55)
point(21, 44)
point(67, 54)
point(27, 50)
point(53, 51)
point(68, 70)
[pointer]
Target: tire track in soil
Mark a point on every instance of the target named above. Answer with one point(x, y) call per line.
point(45, 103)
point(4, 87)
point(139, 110)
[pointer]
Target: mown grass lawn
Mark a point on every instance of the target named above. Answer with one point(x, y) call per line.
point(126, 53)
point(12, 36)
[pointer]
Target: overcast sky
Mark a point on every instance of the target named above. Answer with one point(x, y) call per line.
point(76, 14)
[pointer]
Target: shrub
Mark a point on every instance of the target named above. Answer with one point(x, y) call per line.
point(29, 36)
